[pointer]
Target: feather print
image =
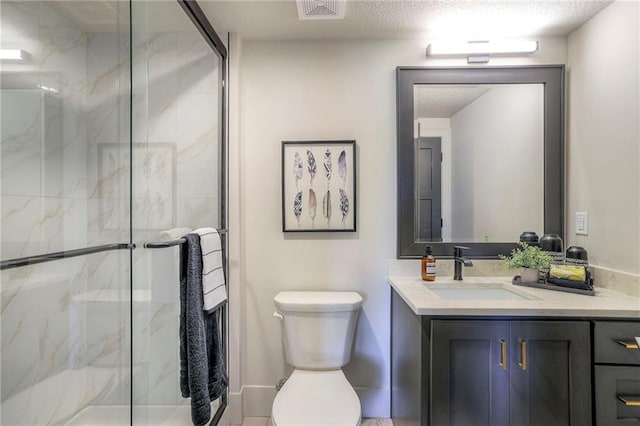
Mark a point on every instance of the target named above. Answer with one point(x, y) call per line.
point(344, 204)
point(297, 206)
point(326, 206)
point(311, 166)
point(297, 168)
point(312, 205)
point(342, 166)
point(327, 164)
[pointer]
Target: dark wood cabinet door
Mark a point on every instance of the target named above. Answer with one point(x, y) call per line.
point(469, 373)
point(617, 395)
point(550, 373)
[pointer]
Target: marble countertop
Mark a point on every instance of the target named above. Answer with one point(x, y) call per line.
point(419, 296)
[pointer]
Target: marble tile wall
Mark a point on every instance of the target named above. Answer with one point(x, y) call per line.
point(108, 151)
point(42, 130)
point(108, 297)
point(49, 336)
point(175, 133)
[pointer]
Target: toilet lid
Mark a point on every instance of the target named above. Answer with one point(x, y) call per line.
point(320, 398)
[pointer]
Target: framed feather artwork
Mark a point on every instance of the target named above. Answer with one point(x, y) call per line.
point(319, 186)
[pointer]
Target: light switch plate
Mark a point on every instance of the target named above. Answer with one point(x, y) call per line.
point(582, 223)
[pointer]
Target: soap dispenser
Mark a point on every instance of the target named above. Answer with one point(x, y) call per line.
point(428, 266)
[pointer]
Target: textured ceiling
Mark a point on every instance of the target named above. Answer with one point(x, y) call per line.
point(277, 20)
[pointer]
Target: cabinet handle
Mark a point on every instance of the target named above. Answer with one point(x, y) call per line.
point(503, 354)
point(628, 344)
point(630, 400)
point(523, 354)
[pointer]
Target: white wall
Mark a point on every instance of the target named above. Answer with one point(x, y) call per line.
point(497, 173)
point(321, 90)
point(603, 137)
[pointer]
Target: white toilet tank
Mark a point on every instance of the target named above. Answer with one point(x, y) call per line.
point(318, 327)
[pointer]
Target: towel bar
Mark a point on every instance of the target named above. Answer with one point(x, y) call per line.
point(49, 257)
point(171, 243)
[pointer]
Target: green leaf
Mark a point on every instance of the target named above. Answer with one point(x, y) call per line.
point(526, 256)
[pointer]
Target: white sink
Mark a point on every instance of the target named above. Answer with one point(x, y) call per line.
point(471, 292)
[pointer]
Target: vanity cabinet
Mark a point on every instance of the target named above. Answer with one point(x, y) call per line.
point(510, 372)
point(617, 372)
point(448, 371)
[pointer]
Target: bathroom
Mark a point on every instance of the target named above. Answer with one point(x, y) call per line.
point(335, 84)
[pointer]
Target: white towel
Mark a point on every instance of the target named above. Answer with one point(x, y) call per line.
point(213, 283)
point(174, 233)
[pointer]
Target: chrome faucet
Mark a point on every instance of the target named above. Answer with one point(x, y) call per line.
point(458, 261)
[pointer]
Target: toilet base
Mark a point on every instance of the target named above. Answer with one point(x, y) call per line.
point(316, 398)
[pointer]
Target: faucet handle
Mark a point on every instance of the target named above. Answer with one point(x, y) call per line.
point(457, 250)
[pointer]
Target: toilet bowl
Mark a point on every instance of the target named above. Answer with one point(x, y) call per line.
point(316, 398)
point(318, 329)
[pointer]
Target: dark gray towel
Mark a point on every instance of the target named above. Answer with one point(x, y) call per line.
point(202, 366)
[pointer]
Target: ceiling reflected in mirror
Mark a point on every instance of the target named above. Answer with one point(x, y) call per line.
point(444, 101)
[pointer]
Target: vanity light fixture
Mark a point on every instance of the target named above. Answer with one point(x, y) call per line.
point(13, 55)
point(481, 51)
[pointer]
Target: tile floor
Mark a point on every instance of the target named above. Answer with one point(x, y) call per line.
point(266, 421)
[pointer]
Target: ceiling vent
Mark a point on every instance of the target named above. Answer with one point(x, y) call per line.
point(320, 9)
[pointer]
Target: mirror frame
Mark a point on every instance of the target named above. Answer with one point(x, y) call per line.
point(552, 79)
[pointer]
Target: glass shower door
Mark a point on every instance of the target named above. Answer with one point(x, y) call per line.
point(112, 136)
point(64, 226)
point(177, 187)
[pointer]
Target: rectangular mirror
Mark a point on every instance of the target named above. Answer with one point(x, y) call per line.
point(480, 157)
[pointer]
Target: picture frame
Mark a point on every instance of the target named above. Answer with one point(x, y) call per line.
point(319, 186)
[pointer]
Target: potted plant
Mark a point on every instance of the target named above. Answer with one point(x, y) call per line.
point(530, 259)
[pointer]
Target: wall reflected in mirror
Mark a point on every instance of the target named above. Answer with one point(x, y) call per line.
point(479, 161)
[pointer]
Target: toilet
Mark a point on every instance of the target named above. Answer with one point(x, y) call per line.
point(317, 328)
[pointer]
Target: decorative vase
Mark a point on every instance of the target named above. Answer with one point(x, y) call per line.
point(529, 275)
point(577, 256)
point(530, 238)
point(552, 245)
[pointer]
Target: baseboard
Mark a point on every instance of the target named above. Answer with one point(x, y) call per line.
point(375, 402)
point(234, 408)
point(258, 400)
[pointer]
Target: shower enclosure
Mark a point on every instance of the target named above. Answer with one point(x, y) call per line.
point(112, 127)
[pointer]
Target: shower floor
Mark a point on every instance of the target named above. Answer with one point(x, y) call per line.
point(142, 415)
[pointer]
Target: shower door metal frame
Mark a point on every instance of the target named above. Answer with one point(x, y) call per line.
point(201, 22)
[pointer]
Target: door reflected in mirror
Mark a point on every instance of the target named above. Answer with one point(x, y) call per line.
point(478, 161)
